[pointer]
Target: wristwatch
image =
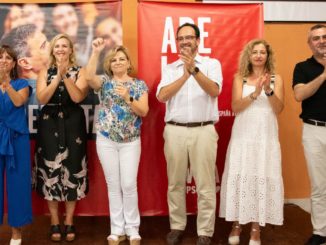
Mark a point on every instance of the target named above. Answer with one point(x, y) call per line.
point(195, 71)
point(131, 99)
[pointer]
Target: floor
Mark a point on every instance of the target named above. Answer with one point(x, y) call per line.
point(94, 230)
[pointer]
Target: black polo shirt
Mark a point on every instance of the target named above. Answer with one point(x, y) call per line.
point(313, 107)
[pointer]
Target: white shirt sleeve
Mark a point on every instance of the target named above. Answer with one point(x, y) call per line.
point(214, 72)
point(166, 78)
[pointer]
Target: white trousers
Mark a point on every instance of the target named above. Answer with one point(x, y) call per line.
point(120, 166)
point(314, 143)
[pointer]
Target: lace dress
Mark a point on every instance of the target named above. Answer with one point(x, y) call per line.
point(252, 185)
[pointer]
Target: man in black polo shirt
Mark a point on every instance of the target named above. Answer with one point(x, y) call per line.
point(309, 85)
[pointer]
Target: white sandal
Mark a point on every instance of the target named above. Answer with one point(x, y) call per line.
point(235, 240)
point(254, 242)
point(115, 239)
point(15, 241)
point(134, 240)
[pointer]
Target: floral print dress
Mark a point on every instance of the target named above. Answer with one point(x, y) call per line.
point(61, 163)
point(116, 120)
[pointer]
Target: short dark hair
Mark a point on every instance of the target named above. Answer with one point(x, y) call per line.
point(193, 26)
point(7, 49)
point(314, 27)
point(17, 39)
point(317, 26)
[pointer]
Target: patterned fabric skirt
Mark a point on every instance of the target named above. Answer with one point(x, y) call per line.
point(60, 171)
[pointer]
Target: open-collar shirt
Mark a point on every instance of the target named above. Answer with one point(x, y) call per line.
point(191, 103)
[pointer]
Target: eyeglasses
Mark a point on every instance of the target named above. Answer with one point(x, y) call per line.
point(185, 38)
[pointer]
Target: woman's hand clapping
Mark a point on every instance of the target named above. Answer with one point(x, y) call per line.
point(267, 82)
point(123, 91)
point(263, 82)
point(2, 74)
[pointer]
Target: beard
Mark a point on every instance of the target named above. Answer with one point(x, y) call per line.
point(319, 50)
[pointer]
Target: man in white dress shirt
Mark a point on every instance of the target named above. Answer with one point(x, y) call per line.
point(189, 87)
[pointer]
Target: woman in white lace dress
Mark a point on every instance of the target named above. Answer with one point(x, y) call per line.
point(252, 185)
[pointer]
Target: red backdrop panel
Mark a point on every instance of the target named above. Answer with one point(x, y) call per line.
point(225, 29)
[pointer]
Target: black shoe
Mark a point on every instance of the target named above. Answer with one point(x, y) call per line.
point(203, 240)
point(55, 233)
point(174, 237)
point(70, 233)
point(316, 240)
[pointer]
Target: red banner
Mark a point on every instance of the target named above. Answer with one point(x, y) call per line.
point(225, 29)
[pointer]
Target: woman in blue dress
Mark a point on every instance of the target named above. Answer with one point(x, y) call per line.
point(14, 146)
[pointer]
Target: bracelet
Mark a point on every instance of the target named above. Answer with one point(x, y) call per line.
point(252, 97)
point(270, 93)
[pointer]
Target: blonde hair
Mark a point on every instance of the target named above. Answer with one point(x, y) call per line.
point(72, 56)
point(112, 52)
point(245, 66)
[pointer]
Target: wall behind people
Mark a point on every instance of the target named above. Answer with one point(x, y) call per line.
point(289, 43)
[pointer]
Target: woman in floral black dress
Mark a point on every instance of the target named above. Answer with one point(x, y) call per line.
point(61, 163)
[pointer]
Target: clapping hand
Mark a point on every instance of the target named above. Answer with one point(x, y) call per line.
point(4, 77)
point(5, 84)
point(188, 59)
point(262, 82)
point(61, 69)
point(266, 80)
point(323, 62)
point(2, 73)
point(122, 90)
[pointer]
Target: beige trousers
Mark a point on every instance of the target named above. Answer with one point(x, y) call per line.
point(314, 143)
point(198, 147)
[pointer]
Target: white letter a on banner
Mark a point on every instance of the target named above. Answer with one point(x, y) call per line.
point(168, 36)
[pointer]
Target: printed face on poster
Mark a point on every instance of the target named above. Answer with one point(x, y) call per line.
point(28, 29)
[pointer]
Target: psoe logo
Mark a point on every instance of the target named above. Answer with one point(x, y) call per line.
point(191, 186)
